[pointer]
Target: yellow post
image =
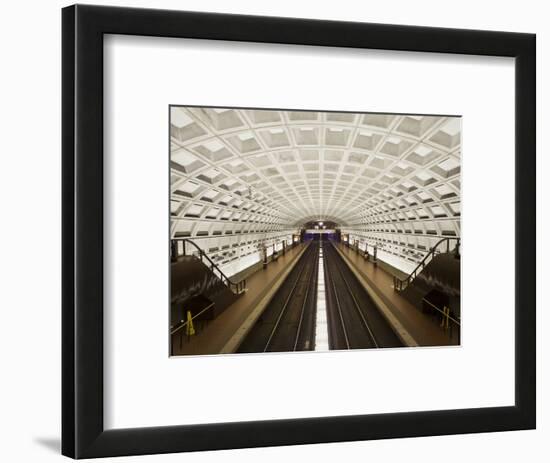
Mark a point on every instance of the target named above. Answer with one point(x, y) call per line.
point(189, 328)
point(445, 317)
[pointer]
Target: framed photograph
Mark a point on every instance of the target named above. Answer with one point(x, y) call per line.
point(285, 231)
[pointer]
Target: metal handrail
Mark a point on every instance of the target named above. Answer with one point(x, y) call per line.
point(456, 322)
point(400, 284)
point(239, 286)
point(183, 324)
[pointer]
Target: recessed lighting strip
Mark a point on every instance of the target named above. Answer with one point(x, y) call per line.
point(321, 327)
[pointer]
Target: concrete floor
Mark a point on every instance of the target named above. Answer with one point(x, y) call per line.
point(219, 335)
point(421, 327)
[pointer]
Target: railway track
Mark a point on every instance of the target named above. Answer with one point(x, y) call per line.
point(288, 322)
point(354, 320)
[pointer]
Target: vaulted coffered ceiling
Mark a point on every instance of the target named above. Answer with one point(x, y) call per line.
point(260, 171)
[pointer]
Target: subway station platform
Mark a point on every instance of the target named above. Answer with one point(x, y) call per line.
point(415, 327)
point(246, 184)
point(246, 322)
point(225, 332)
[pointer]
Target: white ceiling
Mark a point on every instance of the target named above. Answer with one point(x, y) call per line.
point(253, 171)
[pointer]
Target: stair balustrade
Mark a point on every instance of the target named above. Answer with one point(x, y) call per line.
point(443, 245)
point(186, 247)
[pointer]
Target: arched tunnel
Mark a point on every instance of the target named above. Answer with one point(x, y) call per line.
point(305, 230)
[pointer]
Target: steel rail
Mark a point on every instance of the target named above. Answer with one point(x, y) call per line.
point(283, 310)
point(343, 324)
point(356, 304)
point(312, 278)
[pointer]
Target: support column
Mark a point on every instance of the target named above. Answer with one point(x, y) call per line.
point(173, 250)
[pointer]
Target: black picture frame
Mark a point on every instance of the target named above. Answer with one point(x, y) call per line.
point(83, 433)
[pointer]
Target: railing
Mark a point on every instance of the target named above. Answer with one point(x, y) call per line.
point(189, 325)
point(235, 287)
point(447, 321)
point(445, 243)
